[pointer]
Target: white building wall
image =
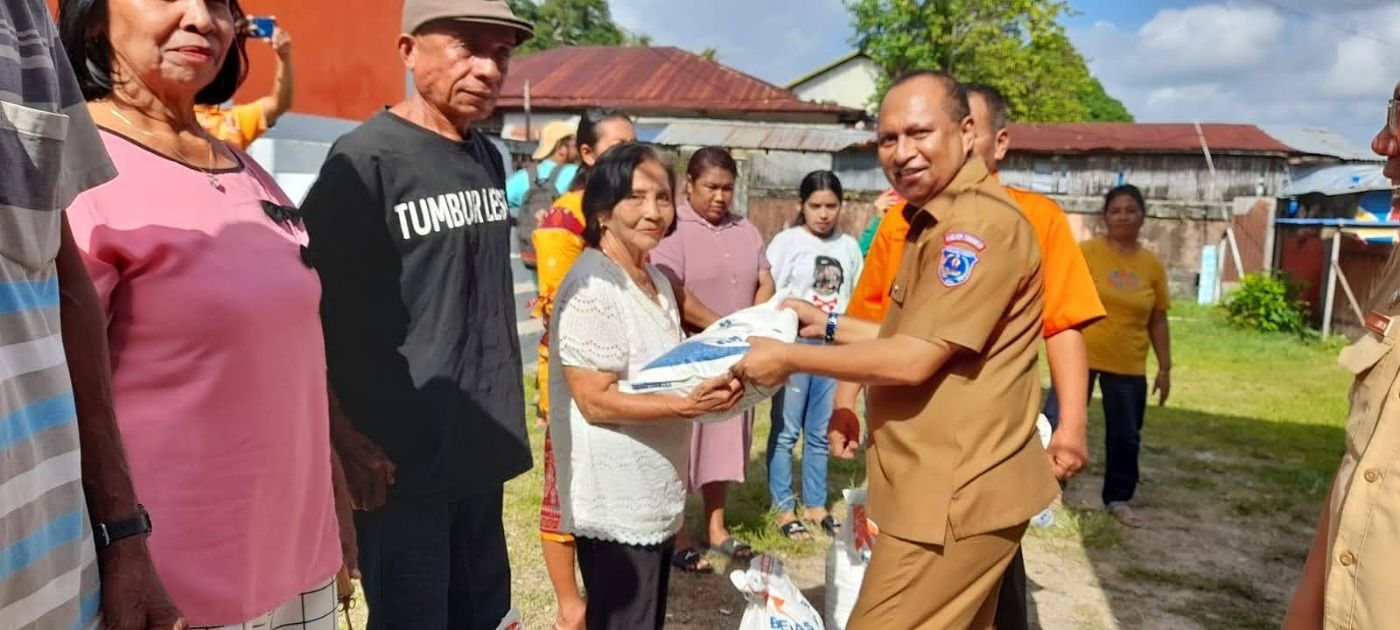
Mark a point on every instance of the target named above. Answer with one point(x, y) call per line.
point(851, 84)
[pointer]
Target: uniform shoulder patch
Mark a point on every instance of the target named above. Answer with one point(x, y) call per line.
point(956, 266)
point(965, 238)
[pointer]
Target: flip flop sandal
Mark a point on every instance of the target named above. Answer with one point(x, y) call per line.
point(734, 549)
point(792, 529)
point(831, 526)
point(690, 560)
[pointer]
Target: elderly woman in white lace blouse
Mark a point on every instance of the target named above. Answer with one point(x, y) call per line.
point(622, 458)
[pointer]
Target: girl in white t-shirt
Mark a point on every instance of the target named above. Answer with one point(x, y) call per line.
point(820, 265)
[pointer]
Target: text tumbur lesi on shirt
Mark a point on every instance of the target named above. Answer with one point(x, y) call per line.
point(430, 215)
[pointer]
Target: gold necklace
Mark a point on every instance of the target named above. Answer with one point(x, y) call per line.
point(640, 277)
point(208, 172)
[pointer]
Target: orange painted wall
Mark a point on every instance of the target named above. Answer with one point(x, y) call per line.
point(343, 55)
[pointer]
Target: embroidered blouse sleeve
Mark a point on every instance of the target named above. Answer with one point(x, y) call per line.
point(591, 330)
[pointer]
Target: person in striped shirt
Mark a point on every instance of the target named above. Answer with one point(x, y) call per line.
point(72, 548)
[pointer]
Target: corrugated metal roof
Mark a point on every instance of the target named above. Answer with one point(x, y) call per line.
point(1325, 142)
point(645, 77)
point(1025, 138)
point(1141, 138)
point(1337, 179)
point(759, 136)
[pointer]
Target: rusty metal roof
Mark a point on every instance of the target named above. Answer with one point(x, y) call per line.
point(1141, 138)
point(747, 135)
point(645, 78)
point(1025, 138)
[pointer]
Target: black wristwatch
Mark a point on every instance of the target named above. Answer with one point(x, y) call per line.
point(104, 534)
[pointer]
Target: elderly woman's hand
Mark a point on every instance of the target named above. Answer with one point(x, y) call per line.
point(720, 393)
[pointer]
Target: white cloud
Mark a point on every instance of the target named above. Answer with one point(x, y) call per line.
point(1207, 40)
point(1359, 69)
point(1270, 62)
point(1290, 62)
point(774, 40)
point(1183, 96)
point(1332, 6)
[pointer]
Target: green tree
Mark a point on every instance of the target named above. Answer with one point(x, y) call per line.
point(1017, 46)
point(1102, 107)
point(573, 23)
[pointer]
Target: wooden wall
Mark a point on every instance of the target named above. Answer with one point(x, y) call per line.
point(1178, 177)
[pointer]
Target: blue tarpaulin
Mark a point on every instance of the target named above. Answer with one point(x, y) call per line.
point(1337, 179)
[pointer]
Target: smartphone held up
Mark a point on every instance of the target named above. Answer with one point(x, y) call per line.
point(262, 27)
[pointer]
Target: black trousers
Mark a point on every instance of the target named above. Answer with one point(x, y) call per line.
point(435, 566)
point(1124, 409)
point(1012, 610)
point(626, 585)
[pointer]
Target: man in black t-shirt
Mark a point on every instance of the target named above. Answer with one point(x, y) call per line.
point(410, 235)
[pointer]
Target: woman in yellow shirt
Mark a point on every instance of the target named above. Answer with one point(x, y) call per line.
point(1133, 287)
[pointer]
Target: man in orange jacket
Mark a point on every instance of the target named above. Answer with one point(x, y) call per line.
point(1071, 303)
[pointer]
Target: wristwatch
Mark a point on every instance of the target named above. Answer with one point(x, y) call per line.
point(104, 534)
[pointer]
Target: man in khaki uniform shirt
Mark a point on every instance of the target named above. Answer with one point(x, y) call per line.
point(1352, 575)
point(956, 468)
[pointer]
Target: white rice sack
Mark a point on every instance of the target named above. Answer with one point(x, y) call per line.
point(843, 580)
point(847, 560)
point(713, 352)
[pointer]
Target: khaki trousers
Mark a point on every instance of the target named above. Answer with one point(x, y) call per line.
point(912, 585)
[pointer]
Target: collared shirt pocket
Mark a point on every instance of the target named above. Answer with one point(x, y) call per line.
point(908, 272)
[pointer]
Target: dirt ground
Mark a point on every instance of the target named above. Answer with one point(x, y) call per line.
point(1211, 552)
point(1193, 564)
point(1234, 471)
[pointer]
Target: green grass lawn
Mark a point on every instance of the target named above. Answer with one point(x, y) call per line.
point(1234, 469)
point(1255, 419)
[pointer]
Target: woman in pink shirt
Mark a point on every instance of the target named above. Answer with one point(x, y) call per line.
point(719, 258)
point(219, 373)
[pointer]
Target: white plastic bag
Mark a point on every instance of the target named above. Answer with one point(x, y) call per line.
point(843, 580)
point(511, 621)
point(1046, 517)
point(774, 602)
point(862, 532)
point(712, 352)
point(846, 562)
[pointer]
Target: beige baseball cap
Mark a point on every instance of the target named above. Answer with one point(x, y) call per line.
point(416, 13)
point(551, 135)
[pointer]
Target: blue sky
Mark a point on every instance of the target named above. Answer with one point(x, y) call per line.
point(1281, 62)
